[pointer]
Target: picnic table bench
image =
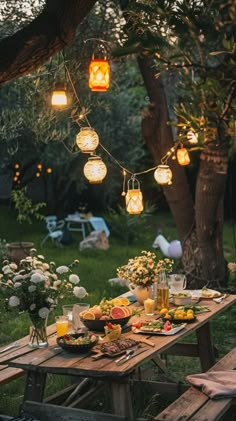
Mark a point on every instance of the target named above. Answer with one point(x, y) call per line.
point(196, 406)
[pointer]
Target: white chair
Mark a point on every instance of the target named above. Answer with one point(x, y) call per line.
point(55, 230)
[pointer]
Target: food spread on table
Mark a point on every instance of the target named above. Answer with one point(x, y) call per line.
point(112, 331)
point(204, 293)
point(71, 339)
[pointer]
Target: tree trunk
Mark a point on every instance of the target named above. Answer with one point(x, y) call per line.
point(200, 230)
point(47, 34)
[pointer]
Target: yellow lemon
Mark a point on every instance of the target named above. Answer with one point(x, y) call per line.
point(164, 311)
point(124, 301)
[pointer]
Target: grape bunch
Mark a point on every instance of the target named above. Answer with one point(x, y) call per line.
point(106, 306)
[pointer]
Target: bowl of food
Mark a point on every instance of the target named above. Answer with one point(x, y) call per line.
point(181, 298)
point(97, 325)
point(77, 342)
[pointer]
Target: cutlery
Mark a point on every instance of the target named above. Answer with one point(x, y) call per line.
point(220, 299)
point(128, 352)
point(131, 355)
point(15, 345)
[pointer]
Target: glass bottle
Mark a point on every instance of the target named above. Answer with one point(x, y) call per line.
point(162, 291)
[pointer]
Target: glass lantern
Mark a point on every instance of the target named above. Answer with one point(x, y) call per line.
point(95, 170)
point(183, 157)
point(134, 198)
point(87, 140)
point(99, 75)
point(59, 97)
point(163, 175)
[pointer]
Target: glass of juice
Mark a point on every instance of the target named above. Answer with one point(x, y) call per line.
point(149, 306)
point(62, 323)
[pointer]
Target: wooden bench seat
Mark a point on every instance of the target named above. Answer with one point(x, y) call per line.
point(8, 374)
point(196, 406)
point(49, 412)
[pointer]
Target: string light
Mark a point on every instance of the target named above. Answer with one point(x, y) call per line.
point(134, 197)
point(87, 140)
point(163, 175)
point(59, 98)
point(183, 157)
point(95, 170)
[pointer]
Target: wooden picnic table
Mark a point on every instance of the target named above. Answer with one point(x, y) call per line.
point(37, 363)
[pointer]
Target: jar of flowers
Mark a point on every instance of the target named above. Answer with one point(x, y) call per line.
point(142, 272)
point(35, 286)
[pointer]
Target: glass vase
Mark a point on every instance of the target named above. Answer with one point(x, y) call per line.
point(38, 332)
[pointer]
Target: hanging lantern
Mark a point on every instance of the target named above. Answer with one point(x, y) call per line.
point(192, 137)
point(99, 75)
point(183, 156)
point(87, 140)
point(95, 170)
point(134, 198)
point(163, 175)
point(59, 97)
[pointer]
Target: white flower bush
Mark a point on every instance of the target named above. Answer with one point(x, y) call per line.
point(35, 285)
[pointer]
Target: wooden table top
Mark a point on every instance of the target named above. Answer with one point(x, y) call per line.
point(54, 360)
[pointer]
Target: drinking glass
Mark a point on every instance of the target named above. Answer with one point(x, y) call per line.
point(61, 325)
point(77, 309)
point(177, 282)
point(149, 306)
point(68, 311)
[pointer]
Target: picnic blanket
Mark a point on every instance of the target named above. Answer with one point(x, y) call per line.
point(215, 384)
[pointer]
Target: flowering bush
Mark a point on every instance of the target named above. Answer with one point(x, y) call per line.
point(35, 285)
point(143, 270)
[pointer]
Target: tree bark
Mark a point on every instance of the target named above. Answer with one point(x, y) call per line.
point(200, 230)
point(47, 34)
point(159, 139)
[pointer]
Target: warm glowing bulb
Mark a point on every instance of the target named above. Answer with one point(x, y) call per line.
point(49, 170)
point(39, 166)
point(87, 140)
point(183, 157)
point(163, 175)
point(17, 166)
point(99, 75)
point(134, 201)
point(95, 170)
point(192, 137)
point(59, 96)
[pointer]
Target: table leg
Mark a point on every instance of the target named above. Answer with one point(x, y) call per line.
point(121, 400)
point(205, 348)
point(35, 385)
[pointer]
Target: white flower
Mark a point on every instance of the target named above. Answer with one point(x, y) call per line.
point(40, 256)
point(13, 266)
point(36, 277)
point(74, 279)
point(17, 284)
point(62, 269)
point(45, 266)
point(57, 283)
point(43, 312)
point(13, 301)
point(79, 292)
point(18, 278)
point(32, 307)
point(32, 288)
point(6, 270)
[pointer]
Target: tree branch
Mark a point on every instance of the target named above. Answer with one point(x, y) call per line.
point(47, 34)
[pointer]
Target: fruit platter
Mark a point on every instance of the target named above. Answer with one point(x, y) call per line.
point(157, 327)
point(114, 311)
point(77, 342)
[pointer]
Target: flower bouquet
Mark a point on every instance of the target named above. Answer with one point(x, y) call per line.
point(34, 286)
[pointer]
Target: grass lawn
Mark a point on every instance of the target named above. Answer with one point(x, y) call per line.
point(96, 267)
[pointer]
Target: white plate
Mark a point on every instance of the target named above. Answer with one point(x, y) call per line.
point(197, 293)
point(161, 332)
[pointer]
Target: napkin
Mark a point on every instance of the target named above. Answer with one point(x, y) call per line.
point(215, 384)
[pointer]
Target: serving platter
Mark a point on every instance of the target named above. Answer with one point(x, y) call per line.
point(157, 327)
point(204, 294)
